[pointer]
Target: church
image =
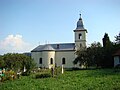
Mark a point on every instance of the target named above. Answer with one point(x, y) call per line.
point(51, 55)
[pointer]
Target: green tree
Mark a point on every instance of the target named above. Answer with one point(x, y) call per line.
point(107, 51)
point(117, 39)
point(95, 54)
point(2, 63)
point(17, 61)
point(90, 56)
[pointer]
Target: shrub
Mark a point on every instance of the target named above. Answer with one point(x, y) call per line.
point(43, 75)
point(117, 66)
point(27, 73)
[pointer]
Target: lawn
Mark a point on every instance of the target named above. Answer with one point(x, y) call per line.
point(99, 79)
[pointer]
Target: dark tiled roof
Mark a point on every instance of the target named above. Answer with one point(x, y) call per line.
point(55, 47)
point(117, 53)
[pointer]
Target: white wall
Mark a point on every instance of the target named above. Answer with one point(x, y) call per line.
point(81, 41)
point(116, 60)
point(77, 35)
point(47, 55)
point(69, 58)
point(36, 56)
point(57, 58)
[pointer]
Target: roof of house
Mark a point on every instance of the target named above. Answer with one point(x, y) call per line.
point(55, 47)
point(117, 53)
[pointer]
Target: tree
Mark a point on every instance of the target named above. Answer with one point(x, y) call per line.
point(108, 51)
point(117, 39)
point(106, 40)
point(81, 58)
point(17, 61)
point(95, 53)
point(90, 56)
point(2, 63)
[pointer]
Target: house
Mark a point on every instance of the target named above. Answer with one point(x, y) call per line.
point(116, 56)
point(51, 55)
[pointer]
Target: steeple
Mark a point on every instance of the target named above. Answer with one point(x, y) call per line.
point(80, 25)
point(80, 35)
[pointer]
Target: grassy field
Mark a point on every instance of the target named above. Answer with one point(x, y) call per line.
point(99, 79)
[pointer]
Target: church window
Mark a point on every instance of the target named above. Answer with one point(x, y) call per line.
point(80, 36)
point(40, 61)
point(51, 60)
point(63, 60)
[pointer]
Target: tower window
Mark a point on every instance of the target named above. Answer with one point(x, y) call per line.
point(40, 61)
point(51, 60)
point(80, 36)
point(63, 60)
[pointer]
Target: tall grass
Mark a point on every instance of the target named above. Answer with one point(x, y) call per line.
point(100, 79)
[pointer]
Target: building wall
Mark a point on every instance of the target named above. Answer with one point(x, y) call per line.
point(57, 58)
point(47, 55)
point(116, 60)
point(36, 56)
point(69, 58)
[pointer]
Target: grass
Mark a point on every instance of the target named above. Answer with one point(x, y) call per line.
point(99, 79)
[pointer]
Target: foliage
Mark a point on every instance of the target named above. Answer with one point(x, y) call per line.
point(8, 75)
point(91, 56)
point(99, 79)
point(117, 39)
point(106, 40)
point(43, 75)
point(96, 55)
point(2, 63)
point(17, 62)
point(108, 51)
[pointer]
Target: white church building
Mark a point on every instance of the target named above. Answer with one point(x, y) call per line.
point(51, 55)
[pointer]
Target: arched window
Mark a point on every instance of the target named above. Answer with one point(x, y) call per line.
point(40, 61)
point(80, 36)
point(51, 60)
point(63, 60)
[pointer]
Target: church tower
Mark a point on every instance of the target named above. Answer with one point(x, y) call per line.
point(80, 35)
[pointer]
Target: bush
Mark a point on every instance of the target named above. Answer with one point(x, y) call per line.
point(43, 75)
point(27, 73)
point(117, 66)
point(75, 68)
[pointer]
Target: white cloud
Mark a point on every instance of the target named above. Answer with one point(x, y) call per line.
point(14, 44)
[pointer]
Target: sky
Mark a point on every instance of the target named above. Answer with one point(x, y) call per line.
point(24, 24)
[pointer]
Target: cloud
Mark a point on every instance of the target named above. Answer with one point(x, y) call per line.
point(14, 44)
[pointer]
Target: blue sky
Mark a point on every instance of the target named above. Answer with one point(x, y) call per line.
point(24, 24)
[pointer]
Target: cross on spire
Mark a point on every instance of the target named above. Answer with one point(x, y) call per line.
point(80, 17)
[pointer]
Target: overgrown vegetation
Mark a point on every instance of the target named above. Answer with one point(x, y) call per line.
point(99, 79)
point(12, 63)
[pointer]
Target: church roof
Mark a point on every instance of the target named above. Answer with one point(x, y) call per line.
point(80, 25)
point(55, 47)
point(117, 53)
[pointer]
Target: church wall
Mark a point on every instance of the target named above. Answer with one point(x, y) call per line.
point(36, 56)
point(47, 55)
point(69, 58)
